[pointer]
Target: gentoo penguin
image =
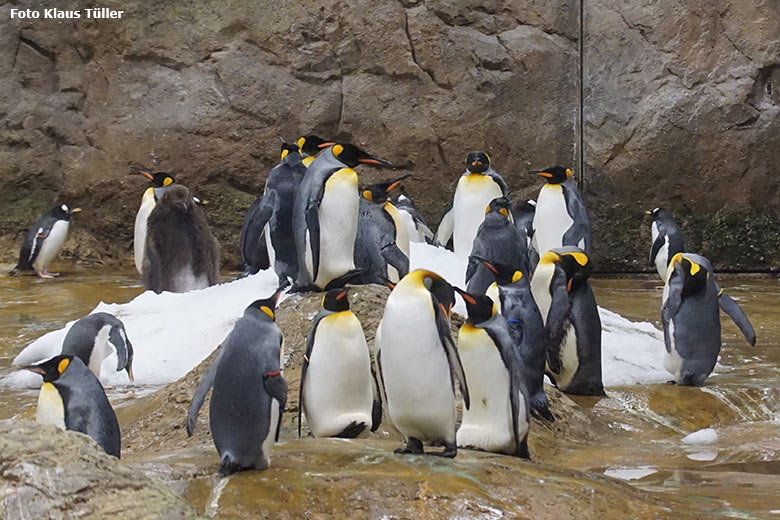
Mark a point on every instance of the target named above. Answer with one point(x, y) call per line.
point(325, 216)
point(523, 212)
point(667, 240)
point(271, 216)
point(249, 390)
point(95, 337)
point(561, 290)
point(161, 181)
point(382, 242)
point(180, 254)
point(44, 241)
point(512, 293)
point(561, 218)
point(72, 398)
point(691, 319)
point(338, 391)
point(416, 359)
point(498, 419)
point(477, 186)
point(416, 227)
point(309, 146)
point(498, 241)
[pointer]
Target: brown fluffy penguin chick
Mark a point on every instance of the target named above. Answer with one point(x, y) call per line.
point(180, 254)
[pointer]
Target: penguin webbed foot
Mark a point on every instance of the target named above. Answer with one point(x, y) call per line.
point(46, 275)
point(413, 447)
point(352, 430)
point(450, 450)
point(542, 413)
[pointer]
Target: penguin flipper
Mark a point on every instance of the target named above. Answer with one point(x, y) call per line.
point(124, 349)
point(671, 305)
point(376, 408)
point(443, 326)
point(253, 245)
point(313, 227)
point(276, 386)
point(200, 394)
point(657, 245)
point(305, 366)
point(446, 227)
point(580, 229)
point(396, 258)
point(737, 315)
point(560, 307)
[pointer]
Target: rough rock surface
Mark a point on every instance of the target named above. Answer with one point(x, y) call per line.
point(48, 473)
point(682, 109)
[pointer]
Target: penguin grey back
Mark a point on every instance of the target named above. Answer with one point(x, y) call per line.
point(283, 180)
point(375, 244)
point(83, 337)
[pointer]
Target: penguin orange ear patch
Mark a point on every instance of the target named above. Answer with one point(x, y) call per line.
point(568, 173)
point(517, 276)
point(284, 153)
point(63, 365)
point(367, 195)
point(167, 181)
point(504, 212)
point(337, 149)
point(268, 311)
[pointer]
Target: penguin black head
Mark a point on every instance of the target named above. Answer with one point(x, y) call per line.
point(659, 214)
point(179, 197)
point(504, 274)
point(479, 306)
point(351, 155)
point(573, 261)
point(63, 211)
point(288, 148)
point(694, 276)
point(311, 145)
point(554, 174)
point(442, 292)
point(268, 305)
point(51, 369)
point(380, 191)
point(336, 300)
point(477, 162)
point(158, 179)
point(525, 206)
point(500, 205)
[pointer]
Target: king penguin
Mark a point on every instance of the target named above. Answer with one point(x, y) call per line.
point(95, 337)
point(180, 254)
point(43, 241)
point(310, 146)
point(511, 291)
point(561, 290)
point(161, 181)
point(523, 212)
point(477, 186)
point(338, 391)
point(382, 241)
point(250, 392)
point(416, 227)
point(691, 319)
point(417, 358)
point(561, 218)
point(498, 419)
point(668, 240)
point(498, 241)
point(72, 398)
point(325, 216)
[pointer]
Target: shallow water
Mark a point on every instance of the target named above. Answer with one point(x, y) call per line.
point(738, 475)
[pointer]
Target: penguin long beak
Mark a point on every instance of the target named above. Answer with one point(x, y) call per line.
point(466, 296)
point(485, 263)
point(541, 173)
point(76, 210)
point(143, 171)
point(376, 162)
point(130, 374)
point(36, 369)
point(648, 212)
point(397, 182)
point(325, 145)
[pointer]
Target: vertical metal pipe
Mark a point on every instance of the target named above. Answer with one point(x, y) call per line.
point(581, 103)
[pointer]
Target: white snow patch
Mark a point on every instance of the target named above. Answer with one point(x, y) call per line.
point(703, 456)
point(630, 473)
point(701, 437)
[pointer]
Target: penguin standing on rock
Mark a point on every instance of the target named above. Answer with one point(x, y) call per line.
point(43, 241)
point(249, 391)
point(561, 218)
point(668, 240)
point(325, 216)
point(498, 419)
point(95, 337)
point(180, 254)
point(417, 358)
point(161, 181)
point(565, 299)
point(497, 241)
point(691, 319)
point(72, 398)
point(477, 186)
point(338, 391)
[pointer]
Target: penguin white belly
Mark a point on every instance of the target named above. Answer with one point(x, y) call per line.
point(101, 349)
point(51, 245)
point(338, 388)
point(552, 219)
point(569, 360)
point(269, 246)
point(411, 228)
point(51, 409)
point(186, 280)
point(472, 196)
point(415, 370)
point(139, 235)
point(270, 438)
point(487, 424)
point(392, 274)
point(493, 294)
point(401, 234)
point(540, 288)
point(662, 260)
point(338, 216)
point(672, 360)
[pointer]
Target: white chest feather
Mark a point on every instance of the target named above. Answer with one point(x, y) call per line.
point(472, 196)
point(493, 293)
point(139, 235)
point(51, 409)
point(269, 440)
point(101, 349)
point(401, 233)
point(411, 229)
point(552, 219)
point(570, 361)
point(51, 245)
point(540, 288)
point(338, 217)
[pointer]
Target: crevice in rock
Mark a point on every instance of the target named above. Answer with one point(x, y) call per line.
point(37, 48)
point(341, 102)
point(414, 54)
point(442, 155)
point(162, 61)
point(221, 88)
point(619, 147)
point(16, 52)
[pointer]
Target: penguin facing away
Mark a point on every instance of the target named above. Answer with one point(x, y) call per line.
point(477, 186)
point(254, 246)
point(416, 358)
point(250, 392)
point(561, 218)
point(416, 228)
point(338, 391)
point(667, 237)
point(161, 181)
point(309, 146)
point(498, 241)
point(180, 254)
point(691, 319)
point(44, 240)
point(565, 299)
point(72, 398)
point(95, 337)
point(511, 292)
point(523, 212)
point(325, 216)
point(498, 419)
